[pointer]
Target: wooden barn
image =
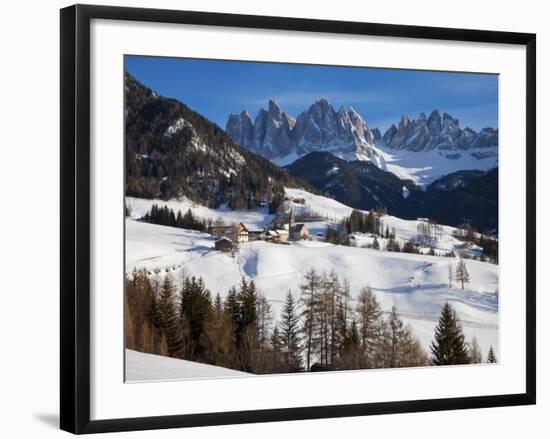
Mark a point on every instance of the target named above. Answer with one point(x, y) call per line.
point(224, 244)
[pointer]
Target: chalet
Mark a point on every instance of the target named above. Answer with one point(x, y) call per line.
point(299, 231)
point(241, 232)
point(237, 233)
point(224, 244)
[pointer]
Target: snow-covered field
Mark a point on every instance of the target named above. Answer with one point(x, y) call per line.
point(417, 285)
point(404, 164)
point(148, 367)
point(251, 218)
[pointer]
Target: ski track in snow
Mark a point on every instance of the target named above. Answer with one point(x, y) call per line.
point(416, 285)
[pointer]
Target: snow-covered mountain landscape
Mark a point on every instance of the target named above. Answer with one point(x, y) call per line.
point(417, 285)
point(306, 244)
point(420, 150)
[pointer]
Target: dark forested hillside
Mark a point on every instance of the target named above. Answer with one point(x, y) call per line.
point(358, 184)
point(455, 199)
point(171, 151)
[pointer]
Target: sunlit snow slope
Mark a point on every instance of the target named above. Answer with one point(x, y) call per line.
point(417, 285)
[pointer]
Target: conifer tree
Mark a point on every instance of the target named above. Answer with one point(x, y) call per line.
point(310, 299)
point(265, 319)
point(375, 244)
point(290, 336)
point(474, 351)
point(448, 346)
point(232, 308)
point(171, 324)
point(450, 274)
point(247, 329)
point(394, 335)
point(411, 353)
point(351, 355)
point(277, 356)
point(491, 357)
point(195, 305)
point(369, 316)
point(219, 336)
point(461, 272)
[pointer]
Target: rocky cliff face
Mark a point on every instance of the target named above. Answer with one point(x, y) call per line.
point(276, 135)
point(441, 132)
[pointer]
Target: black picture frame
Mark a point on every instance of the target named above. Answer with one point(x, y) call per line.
point(75, 217)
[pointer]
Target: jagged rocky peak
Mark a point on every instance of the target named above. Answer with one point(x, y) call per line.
point(376, 134)
point(437, 131)
point(319, 128)
point(269, 135)
point(240, 125)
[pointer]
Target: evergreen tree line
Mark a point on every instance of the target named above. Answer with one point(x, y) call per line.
point(488, 244)
point(449, 345)
point(166, 216)
point(337, 335)
point(319, 332)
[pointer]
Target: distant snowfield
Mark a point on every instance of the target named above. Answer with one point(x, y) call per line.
point(148, 367)
point(435, 164)
point(417, 285)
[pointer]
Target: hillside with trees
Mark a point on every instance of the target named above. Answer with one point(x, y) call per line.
point(172, 151)
point(325, 330)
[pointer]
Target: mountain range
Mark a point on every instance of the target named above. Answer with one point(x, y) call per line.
point(280, 138)
point(276, 135)
point(173, 151)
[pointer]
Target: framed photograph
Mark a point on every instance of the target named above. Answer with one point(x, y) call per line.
point(268, 219)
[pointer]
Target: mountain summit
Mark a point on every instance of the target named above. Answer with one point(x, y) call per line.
point(442, 132)
point(280, 138)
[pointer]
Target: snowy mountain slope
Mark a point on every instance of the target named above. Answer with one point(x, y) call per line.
point(423, 167)
point(416, 284)
point(149, 367)
point(459, 197)
point(173, 151)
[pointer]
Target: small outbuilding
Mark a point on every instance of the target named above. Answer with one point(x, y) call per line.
point(224, 244)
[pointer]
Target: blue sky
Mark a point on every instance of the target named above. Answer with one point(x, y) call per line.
point(217, 88)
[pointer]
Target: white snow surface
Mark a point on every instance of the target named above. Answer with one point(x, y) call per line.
point(254, 219)
point(149, 367)
point(417, 285)
point(426, 166)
